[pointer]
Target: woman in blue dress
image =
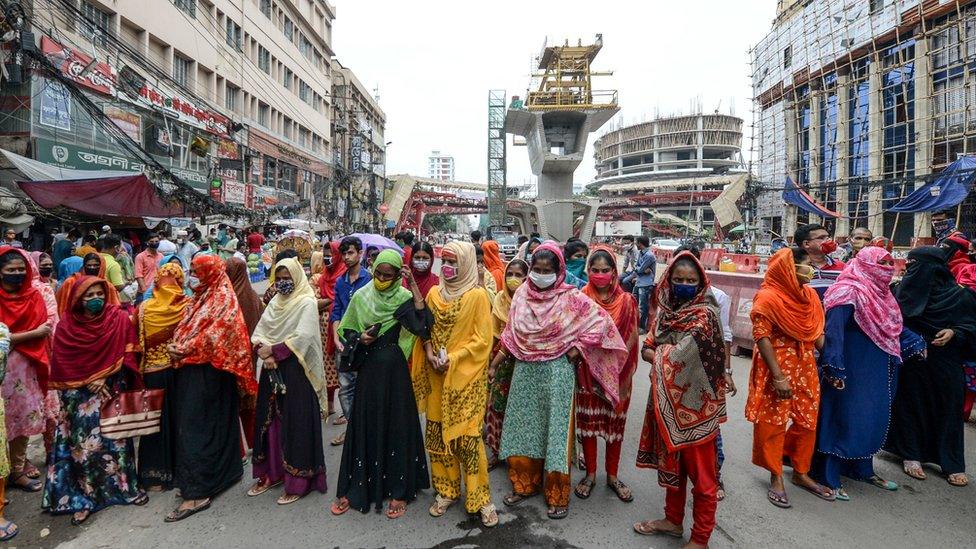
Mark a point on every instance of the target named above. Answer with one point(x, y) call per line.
point(865, 342)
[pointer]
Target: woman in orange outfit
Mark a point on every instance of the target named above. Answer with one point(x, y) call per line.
point(784, 388)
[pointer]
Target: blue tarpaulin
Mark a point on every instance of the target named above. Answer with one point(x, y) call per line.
point(796, 196)
point(950, 188)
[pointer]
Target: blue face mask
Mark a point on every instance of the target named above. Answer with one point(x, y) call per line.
point(684, 292)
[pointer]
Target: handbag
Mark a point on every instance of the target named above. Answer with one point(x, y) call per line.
point(132, 414)
point(347, 359)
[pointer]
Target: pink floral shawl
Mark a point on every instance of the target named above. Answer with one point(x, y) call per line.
point(545, 325)
point(864, 283)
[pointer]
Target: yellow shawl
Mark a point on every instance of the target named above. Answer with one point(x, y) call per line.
point(159, 316)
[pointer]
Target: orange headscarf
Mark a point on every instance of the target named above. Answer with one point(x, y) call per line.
point(494, 263)
point(794, 309)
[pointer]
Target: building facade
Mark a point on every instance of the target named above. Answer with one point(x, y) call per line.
point(858, 103)
point(440, 166)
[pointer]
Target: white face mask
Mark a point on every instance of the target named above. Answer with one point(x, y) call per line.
point(542, 281)
point(421, 264)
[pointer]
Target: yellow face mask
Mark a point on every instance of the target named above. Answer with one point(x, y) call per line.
point(382, 285)
point(805, 273)
point(513, 283)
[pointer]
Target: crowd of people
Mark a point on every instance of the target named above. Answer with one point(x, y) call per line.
point(442, 376)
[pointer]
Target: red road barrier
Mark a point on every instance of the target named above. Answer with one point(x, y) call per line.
point(663, 256)
point(438, 250)
point(745, 263)
point(742, 289)
point(711, 258)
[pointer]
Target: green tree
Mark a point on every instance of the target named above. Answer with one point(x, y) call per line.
point(441, 223)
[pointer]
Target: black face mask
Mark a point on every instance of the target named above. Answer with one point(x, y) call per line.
point(15, 280)
point(45, 271)
point(92, 271)
point(153, 245)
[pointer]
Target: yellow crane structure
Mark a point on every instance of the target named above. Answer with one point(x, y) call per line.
point(564, 80)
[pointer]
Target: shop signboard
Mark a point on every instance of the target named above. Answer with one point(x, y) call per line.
point(181, 108)
point(235, 192)
point(100, 78)
point(55, 106)
point(126, 120)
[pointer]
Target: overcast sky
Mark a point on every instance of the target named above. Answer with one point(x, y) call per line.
point(434, 62)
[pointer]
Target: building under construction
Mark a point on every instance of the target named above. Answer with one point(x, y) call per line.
point(861, 102)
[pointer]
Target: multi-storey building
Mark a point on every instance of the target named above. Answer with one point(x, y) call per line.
point(859, 102)
point(440, 166)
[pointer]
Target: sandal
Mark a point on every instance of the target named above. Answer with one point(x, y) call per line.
point(285, 499)
point(141, 500)
point(818, 490)
point(778, 498)
point(489, 516)
point(883, 484)
point(647, 528)
point(22, 482)
point(514, 499)
point(618, 488)
point(341, 420)
point(396, 509)
point(558, 513)
point(958, 480)
point(914, 470)
point(841, 495)
point(180, 514)
point(585, 487)
point(339, 440)
point(340, 506)
point(9, 531)
point(75, 521)
point(260, 487)
point(440, 506)
point(31, 471)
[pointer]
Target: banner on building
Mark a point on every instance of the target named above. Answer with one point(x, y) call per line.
point(126, 120)
point(235, 192)
point(101, 77)
point(181, 108)
point(55, 106)
point(355, 154)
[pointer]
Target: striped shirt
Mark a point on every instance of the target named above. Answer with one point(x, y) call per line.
point(825, 276)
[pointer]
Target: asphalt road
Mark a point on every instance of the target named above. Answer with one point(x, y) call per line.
point(919, 514)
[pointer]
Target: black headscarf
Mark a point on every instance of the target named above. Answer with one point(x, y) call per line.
point(931, 300)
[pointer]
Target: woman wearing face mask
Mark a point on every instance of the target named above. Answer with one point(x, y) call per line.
point(575, 252)
point(450, 379)
point(23, 310)
point(383, 453)
point(93, 265)
point(552, 328)
point(213, 367)
point(421, 263)
point(93, 358)
point(324, 287)
point(687, 400)
point(165, 260)
point(45, 268)
point(270, 292)
point(158, 317)
point(485, 279)
point(594, 415)
point(926, 426)
point(500, 370)
point(51, 402)
point(784, 388)
point(288, 435)
point(8, 530)
point(493, 263)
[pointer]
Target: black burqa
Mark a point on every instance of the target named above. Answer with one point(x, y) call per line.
point(927, 422)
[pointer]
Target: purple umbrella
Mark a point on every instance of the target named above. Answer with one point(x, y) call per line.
point(377, 241)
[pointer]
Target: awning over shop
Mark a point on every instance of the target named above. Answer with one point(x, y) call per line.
point(126, 196)
point(796, 196)
point(950, 188)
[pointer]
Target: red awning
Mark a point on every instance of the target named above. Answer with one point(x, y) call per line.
point(128, 196)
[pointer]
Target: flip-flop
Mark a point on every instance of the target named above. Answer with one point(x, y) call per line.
point(820, 491)
point(339, 507)
point(261, 488)
point(513, 499)
point(141, 500)
point(440, 506)
point(78, 522)
point(778, 498)
point(489, 516)
point(287, 499)
point(652, 531)
point(585, 483)
point(720, 492)
point(841, 495)
point(7, 534)
point(914, 470)
point(31, 485)
point(394, 513)
point(958, 483)
point(617, 486)
point(558, 513)
point(882, 483)
point(31, 471)
point(180, 514)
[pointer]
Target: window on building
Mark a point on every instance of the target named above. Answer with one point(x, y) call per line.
point(286, 177)
point(234, 35)
point(286, 128)
point(305, 47)
point(230, 98)
point(264, 59)
point(286, 77)
point(288, 28)
point(876, 6)
point(264, 115)
point(266, 8)
point(304, 92)
point(181, 69)
point(303, 137)
point(101, 26)
point(188, 7)
point(270, 171)
point(787, 56)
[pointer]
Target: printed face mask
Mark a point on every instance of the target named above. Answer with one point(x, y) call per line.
point(449, 272)
point(285, 287)
point(421, 264)
point(542, 281)
point(804, 273)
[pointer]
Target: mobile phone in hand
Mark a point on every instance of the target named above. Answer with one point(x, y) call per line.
point(374, 330)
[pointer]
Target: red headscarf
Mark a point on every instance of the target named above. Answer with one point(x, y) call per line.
point(426, 279)
point(23, 312)
point(213, 330)
point(87, 349)
point(332, 272)
point(622, 308)
point(494, 263)
point(794, 309)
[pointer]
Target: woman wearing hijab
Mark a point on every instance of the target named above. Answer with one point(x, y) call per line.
point(45, 268)
point(552, 328)
point(450, 380)
point(166, 259)
point(93, 358)
point(8, 530)
point(70, 265)
point(575, 252)
point(926, 425)
point(787, 323)
point(288, 421)
point(500, 370)
point(92, 265)
point(383, 453)
point(41, 280)
point(213, 362)
point(421, 264)
point(594, 415)
point(251, 308)
point(158, 318)
point(687, 400)
point(494, 263)
point(484, 277)
point(24, 311)
point(864, 343)
point(270, 292)
point(324, 287)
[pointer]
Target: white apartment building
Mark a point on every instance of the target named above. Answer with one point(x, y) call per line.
point(440, 166)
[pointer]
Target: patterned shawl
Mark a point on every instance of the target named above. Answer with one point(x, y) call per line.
point(370, 306)
point(25, 311)
point(794, 309)
point(160, 315)
point(213, 330)
point(545, 324)
point(87, 348)
point(866, 285)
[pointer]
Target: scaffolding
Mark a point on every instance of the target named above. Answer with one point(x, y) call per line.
point(861, 102)
point(565, 80)
point(497, 192)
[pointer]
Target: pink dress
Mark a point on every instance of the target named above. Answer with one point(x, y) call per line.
point(23, 399)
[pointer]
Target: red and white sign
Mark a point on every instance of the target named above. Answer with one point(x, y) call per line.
point(100, 78)
point(235, 192)
point(186, 110)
